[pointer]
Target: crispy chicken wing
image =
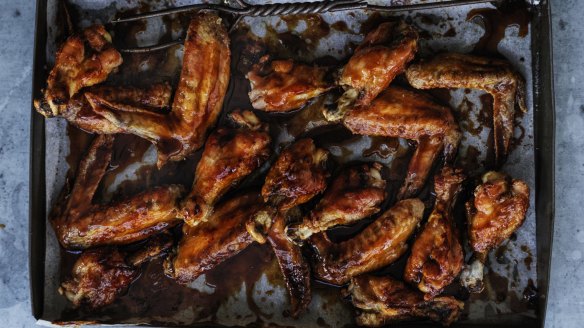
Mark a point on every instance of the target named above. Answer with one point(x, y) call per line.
point(497, 77)
point(283, 85)
point(497, 210)
point(210, 243)
point(437, 257)
point(198, 99)
point(230, 154)
point(380, 244)
point(382, 55)
point(82, 61)
point(384, 300)
point(398, 112)
point(354, 195)
point(100, 275)
point(80, 224)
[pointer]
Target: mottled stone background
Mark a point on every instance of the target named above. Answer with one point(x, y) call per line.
point(16, 51)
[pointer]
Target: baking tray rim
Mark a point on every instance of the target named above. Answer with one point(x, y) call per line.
point(544, 152)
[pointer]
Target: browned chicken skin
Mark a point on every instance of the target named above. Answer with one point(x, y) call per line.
point(384, 300)
point(496, 211)
point(100, 275)
point(497, 77)
point(354, 195)
point(437, 257)
point(80, 224)
point(198, 99)
point(230, 154)
point(380, 244)
point(283, 85)
point(403, 113)
point(82, 61)
point(381, 56)
point(210, 243)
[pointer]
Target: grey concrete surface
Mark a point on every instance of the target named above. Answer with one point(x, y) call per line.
point(566, 299)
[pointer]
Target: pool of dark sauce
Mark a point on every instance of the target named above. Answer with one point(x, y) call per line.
point(153, 297)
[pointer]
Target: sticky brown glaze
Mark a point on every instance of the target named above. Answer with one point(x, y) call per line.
point(381, 56)
point(384, 300)
point(354, 195)
point(403, 113)
point(230, 155)
point(210, 243)
point(495, 76)
point(99, 276)
point(283, 85)
point(378, 245)
point(437, 257)
point(298, 175)
point(198, 99)
point(497, 210)
point(80, 224)
point(84, 60)
point(294, 267)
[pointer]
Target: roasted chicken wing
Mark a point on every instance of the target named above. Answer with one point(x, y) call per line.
point(497, 77)
point(230, 154)
point(197, 101)
point(497, 210)
point(437, 257)
point(222, 236)
point(378, 245)
point(100, 275)
point(384, 300)
point(399, 112)
point(83, 60)
point(80, 224)
point(382, 55)
point(283, 85)
point(354, 195)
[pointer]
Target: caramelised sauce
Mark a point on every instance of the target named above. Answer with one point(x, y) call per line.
point(496, 22)
point(153, 296)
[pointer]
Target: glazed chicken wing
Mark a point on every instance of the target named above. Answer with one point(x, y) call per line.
point(230, 154)
point(283, 85)
point(354, 195)
point(197, 101)
point(384, 300)
point(437, 257)
point(210, 243)
point(380, 244)
point(80, 224)
point(497, 210)
point(382, 55)
point(82, 61)
point(398, 112)
point(497, 77)
point(101, 275)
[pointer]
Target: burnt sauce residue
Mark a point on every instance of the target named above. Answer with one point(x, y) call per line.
point(157, 299)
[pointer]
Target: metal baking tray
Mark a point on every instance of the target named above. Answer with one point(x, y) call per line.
point(510, 265)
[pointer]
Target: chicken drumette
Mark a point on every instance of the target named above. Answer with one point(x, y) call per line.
point(497, 77)
point(80, 224)
point(283, 85)
point(497, 210)
point(378, 245)
point(354, 195)
point(198, 99)
point(100, 275)
point(297, 176)
point(437, 257)
point(230, 154)
point(381, 56)
point(403, 113)
point(83, 60)
point(384, 300)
